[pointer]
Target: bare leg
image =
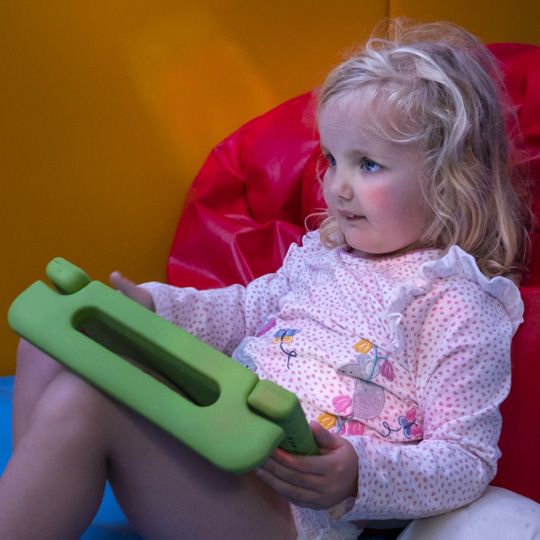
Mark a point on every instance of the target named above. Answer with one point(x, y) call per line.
point(169, 492)
point(54, 482)
point(35, 371)
point(74, 437)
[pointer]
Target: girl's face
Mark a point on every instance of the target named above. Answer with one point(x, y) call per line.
point(372, 187)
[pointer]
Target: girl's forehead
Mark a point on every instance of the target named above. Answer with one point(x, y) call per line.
point(351, 125)
point(370, 114)
point(360, 110)
point(350, 117)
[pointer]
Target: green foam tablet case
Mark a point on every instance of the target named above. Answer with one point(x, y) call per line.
point(211, 403)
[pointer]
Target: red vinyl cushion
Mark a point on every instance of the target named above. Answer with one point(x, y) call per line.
point(249, 200)
point(254, 192)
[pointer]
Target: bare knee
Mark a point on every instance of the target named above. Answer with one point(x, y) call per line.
point(73, 411)
point(35, 371)
point(33, 362)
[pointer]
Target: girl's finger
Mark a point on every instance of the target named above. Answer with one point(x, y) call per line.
point(301, 495)
point(324, 438)
point(315, 465)
point(131, 290)
point(293, 477)
point(121, 283)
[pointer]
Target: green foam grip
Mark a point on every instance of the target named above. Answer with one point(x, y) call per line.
point(211, 403)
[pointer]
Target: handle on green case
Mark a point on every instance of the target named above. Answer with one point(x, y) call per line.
point(283, 408)
point(66, 277)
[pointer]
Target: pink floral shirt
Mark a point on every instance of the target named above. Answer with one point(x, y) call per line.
point(406, 356)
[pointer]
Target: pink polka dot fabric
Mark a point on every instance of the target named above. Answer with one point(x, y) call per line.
point(406, 356)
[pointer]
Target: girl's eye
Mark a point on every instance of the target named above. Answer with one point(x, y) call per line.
point(331, 160)
point(370, 166)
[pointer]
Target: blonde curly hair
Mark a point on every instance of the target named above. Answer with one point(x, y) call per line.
point(445, 95)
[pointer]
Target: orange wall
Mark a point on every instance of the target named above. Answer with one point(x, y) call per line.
point(491, 20)
point(108, 109)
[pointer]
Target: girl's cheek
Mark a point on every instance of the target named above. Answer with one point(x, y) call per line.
point(326, 191)
point(380, 197)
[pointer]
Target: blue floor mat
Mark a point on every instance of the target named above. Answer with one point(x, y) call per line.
point(110, 522)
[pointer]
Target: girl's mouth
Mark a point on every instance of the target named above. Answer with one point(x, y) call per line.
point(352, 217)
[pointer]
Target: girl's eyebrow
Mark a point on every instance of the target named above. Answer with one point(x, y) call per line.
point(355, 152)
point(364, 154)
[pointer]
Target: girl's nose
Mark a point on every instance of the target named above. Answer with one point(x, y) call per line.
point(341, 186)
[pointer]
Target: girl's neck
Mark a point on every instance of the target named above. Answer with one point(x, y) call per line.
point(415, 246)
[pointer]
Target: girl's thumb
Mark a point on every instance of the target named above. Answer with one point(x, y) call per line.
point(323, 437)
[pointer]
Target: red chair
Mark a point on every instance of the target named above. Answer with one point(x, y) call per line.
point(252, 196)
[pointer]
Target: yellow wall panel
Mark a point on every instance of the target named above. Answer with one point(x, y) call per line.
point(108, 109)
point(491, 21)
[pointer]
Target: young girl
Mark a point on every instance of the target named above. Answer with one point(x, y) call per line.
point(392, 323)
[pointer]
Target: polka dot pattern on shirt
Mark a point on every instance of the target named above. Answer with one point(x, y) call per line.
point(407, 357)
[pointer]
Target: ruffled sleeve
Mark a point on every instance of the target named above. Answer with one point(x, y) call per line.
point(459, 262)
point(454, 264)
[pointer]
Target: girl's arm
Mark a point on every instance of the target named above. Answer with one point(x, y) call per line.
point(220, 317)
point(463, 375)
point(462, 367)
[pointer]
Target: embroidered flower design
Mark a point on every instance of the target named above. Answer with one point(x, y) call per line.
point(265, 326)
point(341, 425)
point(341, 403)
point(369, 366)
point(286, 336)
point(363, 346)
point(409, 425)
point(387, 370)
point(327, 420)
point(355, 428)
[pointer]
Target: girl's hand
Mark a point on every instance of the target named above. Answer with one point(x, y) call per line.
point(317, 482)
point(127, 287)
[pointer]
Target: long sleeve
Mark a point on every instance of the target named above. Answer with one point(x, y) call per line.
point(461, 366)
point(220, 317)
